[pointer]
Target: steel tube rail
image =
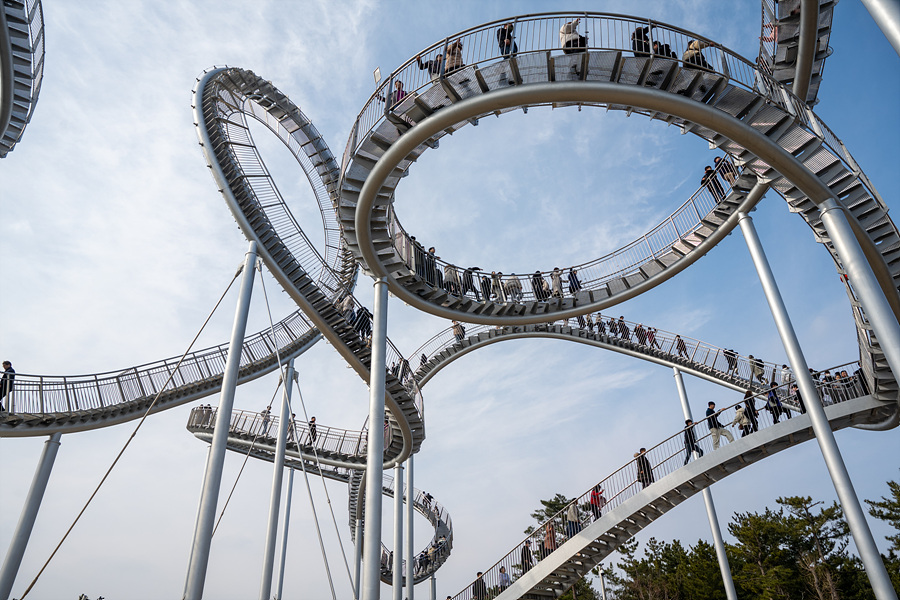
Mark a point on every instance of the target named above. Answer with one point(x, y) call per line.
point(886, 13)
point(857, 264)
point(374, 471)
point(718, 541)
point(806, 47)
point(397, 565)
point(410, 552)
point(21, 535)
point(279, 587)
point(265, 586)
point(212, 479)
point(859, 527)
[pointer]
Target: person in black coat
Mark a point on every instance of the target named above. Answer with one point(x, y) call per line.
point(6, 382)
point(690, 442)
point(644, 470)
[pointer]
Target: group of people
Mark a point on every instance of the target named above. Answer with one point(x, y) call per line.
point(723, 168)
point(428, 556)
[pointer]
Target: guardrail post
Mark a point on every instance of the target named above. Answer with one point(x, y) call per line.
point(859, 528)
point(212, 479)
point(19, 541)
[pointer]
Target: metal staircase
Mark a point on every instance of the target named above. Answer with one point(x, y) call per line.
point(21, 67)
point(223, 98)
point(629, 504)
point(45, 404)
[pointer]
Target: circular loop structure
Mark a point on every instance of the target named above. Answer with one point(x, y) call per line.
point(323, 291)
point(736, 106)
point(21, 67)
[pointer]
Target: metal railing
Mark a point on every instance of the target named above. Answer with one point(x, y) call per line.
point(727, 362)
point(681, 225)
point(264, 427)
point(665, 458)
point(43, 394)
point(438, 550)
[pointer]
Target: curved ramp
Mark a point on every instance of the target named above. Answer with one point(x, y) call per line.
point(630, 505)
point(717, 365)
point(343, 454)
point(21, 67)
point(730, 103)
point(45, 404)
point(223, 99)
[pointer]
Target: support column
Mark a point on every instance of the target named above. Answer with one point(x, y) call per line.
point(20, 537)
point(718, 541)
point(212, 478)
point(886, 14)
point(279, 587)
point(371, 589)
point(358, 553)
point(265, 586)
point(602, 585)
point(410, 551)
point(853, 512)
point(862, 278)
point(397, 564)
point(433, 587)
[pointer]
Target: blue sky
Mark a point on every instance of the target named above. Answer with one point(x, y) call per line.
point(115, 244)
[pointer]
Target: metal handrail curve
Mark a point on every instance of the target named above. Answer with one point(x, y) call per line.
point(664, 458)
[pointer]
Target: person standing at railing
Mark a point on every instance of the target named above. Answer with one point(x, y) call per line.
point(641, 334)
point(556, 283)
point(506, 40)
point(742, 420)
point(526, 559)
point(651, 336)
point(712, 184)
point(663, 51)
point(573, 519)
point(598, 501)
point(590, 322)
point(451, 278)
point(264, 428)
point(537, 286)
point(680, 346)
point(601, 326)
point(644, 470)
point(756, 369)
point(731, 357)
point(6, 382)
point(773, 404)
point(497, 287)
point(479, 589)
point(574, 283)
point(468, 283)
point(693, 57)
point(798, 398)
point(312, 430)
point(454, 57)
point(715, 428)
point(786, 376)
point(504, 580)
point(459, 332)
point(726, 169)
point(640, 41)
point(751, 411)
point(432, 66)
point(690, 442)
point(513, 288)
point(624, 332)
point(570, 40)
point(548, 544)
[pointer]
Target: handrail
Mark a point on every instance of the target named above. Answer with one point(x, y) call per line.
point(664, 458)
point(728, 362)
point(43, 394)
point(681, 225)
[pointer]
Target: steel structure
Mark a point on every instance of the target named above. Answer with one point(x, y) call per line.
point(758, 114)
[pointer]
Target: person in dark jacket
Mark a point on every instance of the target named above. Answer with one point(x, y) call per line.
point(715, 428)
point(644, 470)
point(479, 589)
point(506, 40)
point(711, 181)
point(6, 382)
point(690, 442)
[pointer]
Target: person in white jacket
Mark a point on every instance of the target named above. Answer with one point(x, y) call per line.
point(569, 38)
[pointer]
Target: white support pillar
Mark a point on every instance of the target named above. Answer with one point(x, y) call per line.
point(279, 587)
point(397, 565)
point(358, 557)
point(853, 512)
point(20, 537)
point(602, 585)
point(265, 586)
point(886, 14)
point(371, 587)
point(433, 587)
point(410, 551)
point(862, 278)
point(718, 540)
point(212, 478)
